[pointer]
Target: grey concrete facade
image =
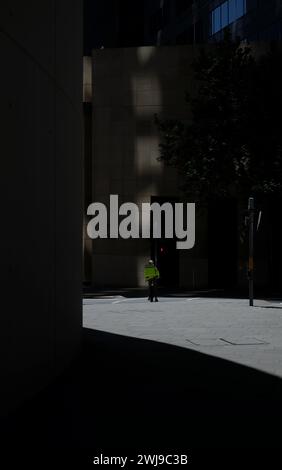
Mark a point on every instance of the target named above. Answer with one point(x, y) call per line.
point(41, 204)
point(130, 86)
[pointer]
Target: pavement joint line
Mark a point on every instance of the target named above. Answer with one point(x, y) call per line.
point(252, 342)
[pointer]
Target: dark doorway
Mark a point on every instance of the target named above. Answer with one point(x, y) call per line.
point(164, 252)
point(222, 243)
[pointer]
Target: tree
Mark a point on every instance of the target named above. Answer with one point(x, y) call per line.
point(233, 144)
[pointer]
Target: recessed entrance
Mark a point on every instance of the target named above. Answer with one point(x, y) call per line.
point(164, 252)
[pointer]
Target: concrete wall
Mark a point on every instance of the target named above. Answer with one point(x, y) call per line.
point(130, 86)
point(41, 152)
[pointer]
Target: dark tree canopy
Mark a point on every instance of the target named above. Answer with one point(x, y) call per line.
point(234, 143)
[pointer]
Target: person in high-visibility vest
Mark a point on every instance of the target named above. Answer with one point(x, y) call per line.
point(151, 274)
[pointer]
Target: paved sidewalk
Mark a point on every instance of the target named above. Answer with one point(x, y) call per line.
point(151, 378)
point(224, 328)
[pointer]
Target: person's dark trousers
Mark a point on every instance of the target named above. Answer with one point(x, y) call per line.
point(152, 290)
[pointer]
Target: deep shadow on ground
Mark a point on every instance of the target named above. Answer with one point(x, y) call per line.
point(131, 395)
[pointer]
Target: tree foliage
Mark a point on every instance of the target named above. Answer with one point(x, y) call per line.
point(234, 143)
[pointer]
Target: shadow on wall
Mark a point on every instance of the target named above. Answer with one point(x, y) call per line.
point(127, 394)
point(130, 86)
point(41, 170)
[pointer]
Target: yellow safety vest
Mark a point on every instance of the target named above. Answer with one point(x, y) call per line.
point(151, 272)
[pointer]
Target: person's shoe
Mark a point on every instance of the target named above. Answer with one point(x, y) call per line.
point(151, 300)
point(156, 300)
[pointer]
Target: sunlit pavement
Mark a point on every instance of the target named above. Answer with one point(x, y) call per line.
point(225, 328)
point(160, 378)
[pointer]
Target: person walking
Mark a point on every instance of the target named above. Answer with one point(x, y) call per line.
point(151, 274)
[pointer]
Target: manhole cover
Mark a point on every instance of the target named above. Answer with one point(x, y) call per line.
point(243, 341)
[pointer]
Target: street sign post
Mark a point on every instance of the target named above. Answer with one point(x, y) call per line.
point(251, 209)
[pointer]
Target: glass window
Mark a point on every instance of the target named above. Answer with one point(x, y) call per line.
point(240, 8)
point(232, 10)
point(237, 8)
point(224, 15)
point(216, 20)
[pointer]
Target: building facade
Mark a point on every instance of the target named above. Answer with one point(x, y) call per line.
point(121, 23)
point(202, 21)
point(41, 203)
point(112, 23)
point(130, 86)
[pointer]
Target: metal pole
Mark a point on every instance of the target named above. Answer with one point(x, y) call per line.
point(251, 208)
